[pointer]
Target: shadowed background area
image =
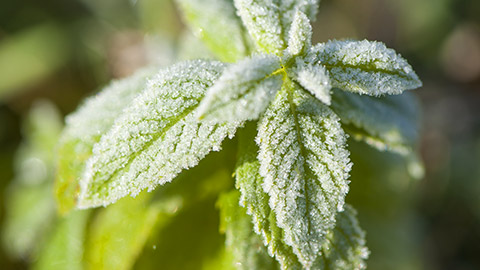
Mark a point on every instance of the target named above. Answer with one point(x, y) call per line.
point(63, 51)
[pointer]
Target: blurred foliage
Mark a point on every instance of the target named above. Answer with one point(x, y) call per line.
point(65, 50)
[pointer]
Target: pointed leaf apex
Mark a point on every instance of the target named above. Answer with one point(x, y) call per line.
point(300, 34)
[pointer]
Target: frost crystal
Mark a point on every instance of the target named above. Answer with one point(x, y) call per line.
point(156, 137)
point(243, 91)
point(305, 165)
point(364, 67)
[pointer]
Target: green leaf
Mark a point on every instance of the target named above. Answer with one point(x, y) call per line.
point(269, 22)
point(313, 78)
point(215, 22)
point(305, 164)
point(243, 91)
point(345, 247)
point(85, 127)
point(300, 36)
point(263, 22)
point(386, 123)
point(65, 246)
point(255, 200)
point(364, 67)
point(246, 247)
point(288, 9)
point(156, 137)
point(119, 232)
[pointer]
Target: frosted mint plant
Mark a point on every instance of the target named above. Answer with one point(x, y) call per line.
point(291, 104)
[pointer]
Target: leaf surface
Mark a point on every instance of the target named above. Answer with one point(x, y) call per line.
point(300, 35)
point(156, 137)
point(345, 247)
point(216, 23)
point(256, 201)
point(313, 78)
point(243, 91)
point(305, 165)
point(364, 67)
point(386, 123)
point(269, 22)
point(245, 246)
point(85, 127)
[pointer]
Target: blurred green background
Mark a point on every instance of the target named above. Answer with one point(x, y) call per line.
point(59, 52)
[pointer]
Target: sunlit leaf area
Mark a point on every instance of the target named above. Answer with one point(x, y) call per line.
point(240, 134)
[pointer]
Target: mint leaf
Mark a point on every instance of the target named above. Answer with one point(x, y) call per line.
point(243, 91)
point(215, 22)
point(386, 123)
point(345, 247)
point(255, 200)
point(305, 165)
point(364, 67)
point(269, 22)
point(156, 137)
point(263, 22)
point(300, 35)
point(313, 78)
point(85, 127)
point(245, 246)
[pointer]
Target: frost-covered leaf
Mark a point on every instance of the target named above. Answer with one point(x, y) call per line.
point(305, 165)
point(300, 36)
point(85, 127)
point(288, 9)
point(215, 22)
point(269, 22)
point(65, 246)
point(118, 233)
point(245, 246)
point(313, 78)
point(263, 22)
point(345, 247)
point(365, 67)
point(255, 200)
point(243, 91)
point(387, 123)
point(156, 137)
